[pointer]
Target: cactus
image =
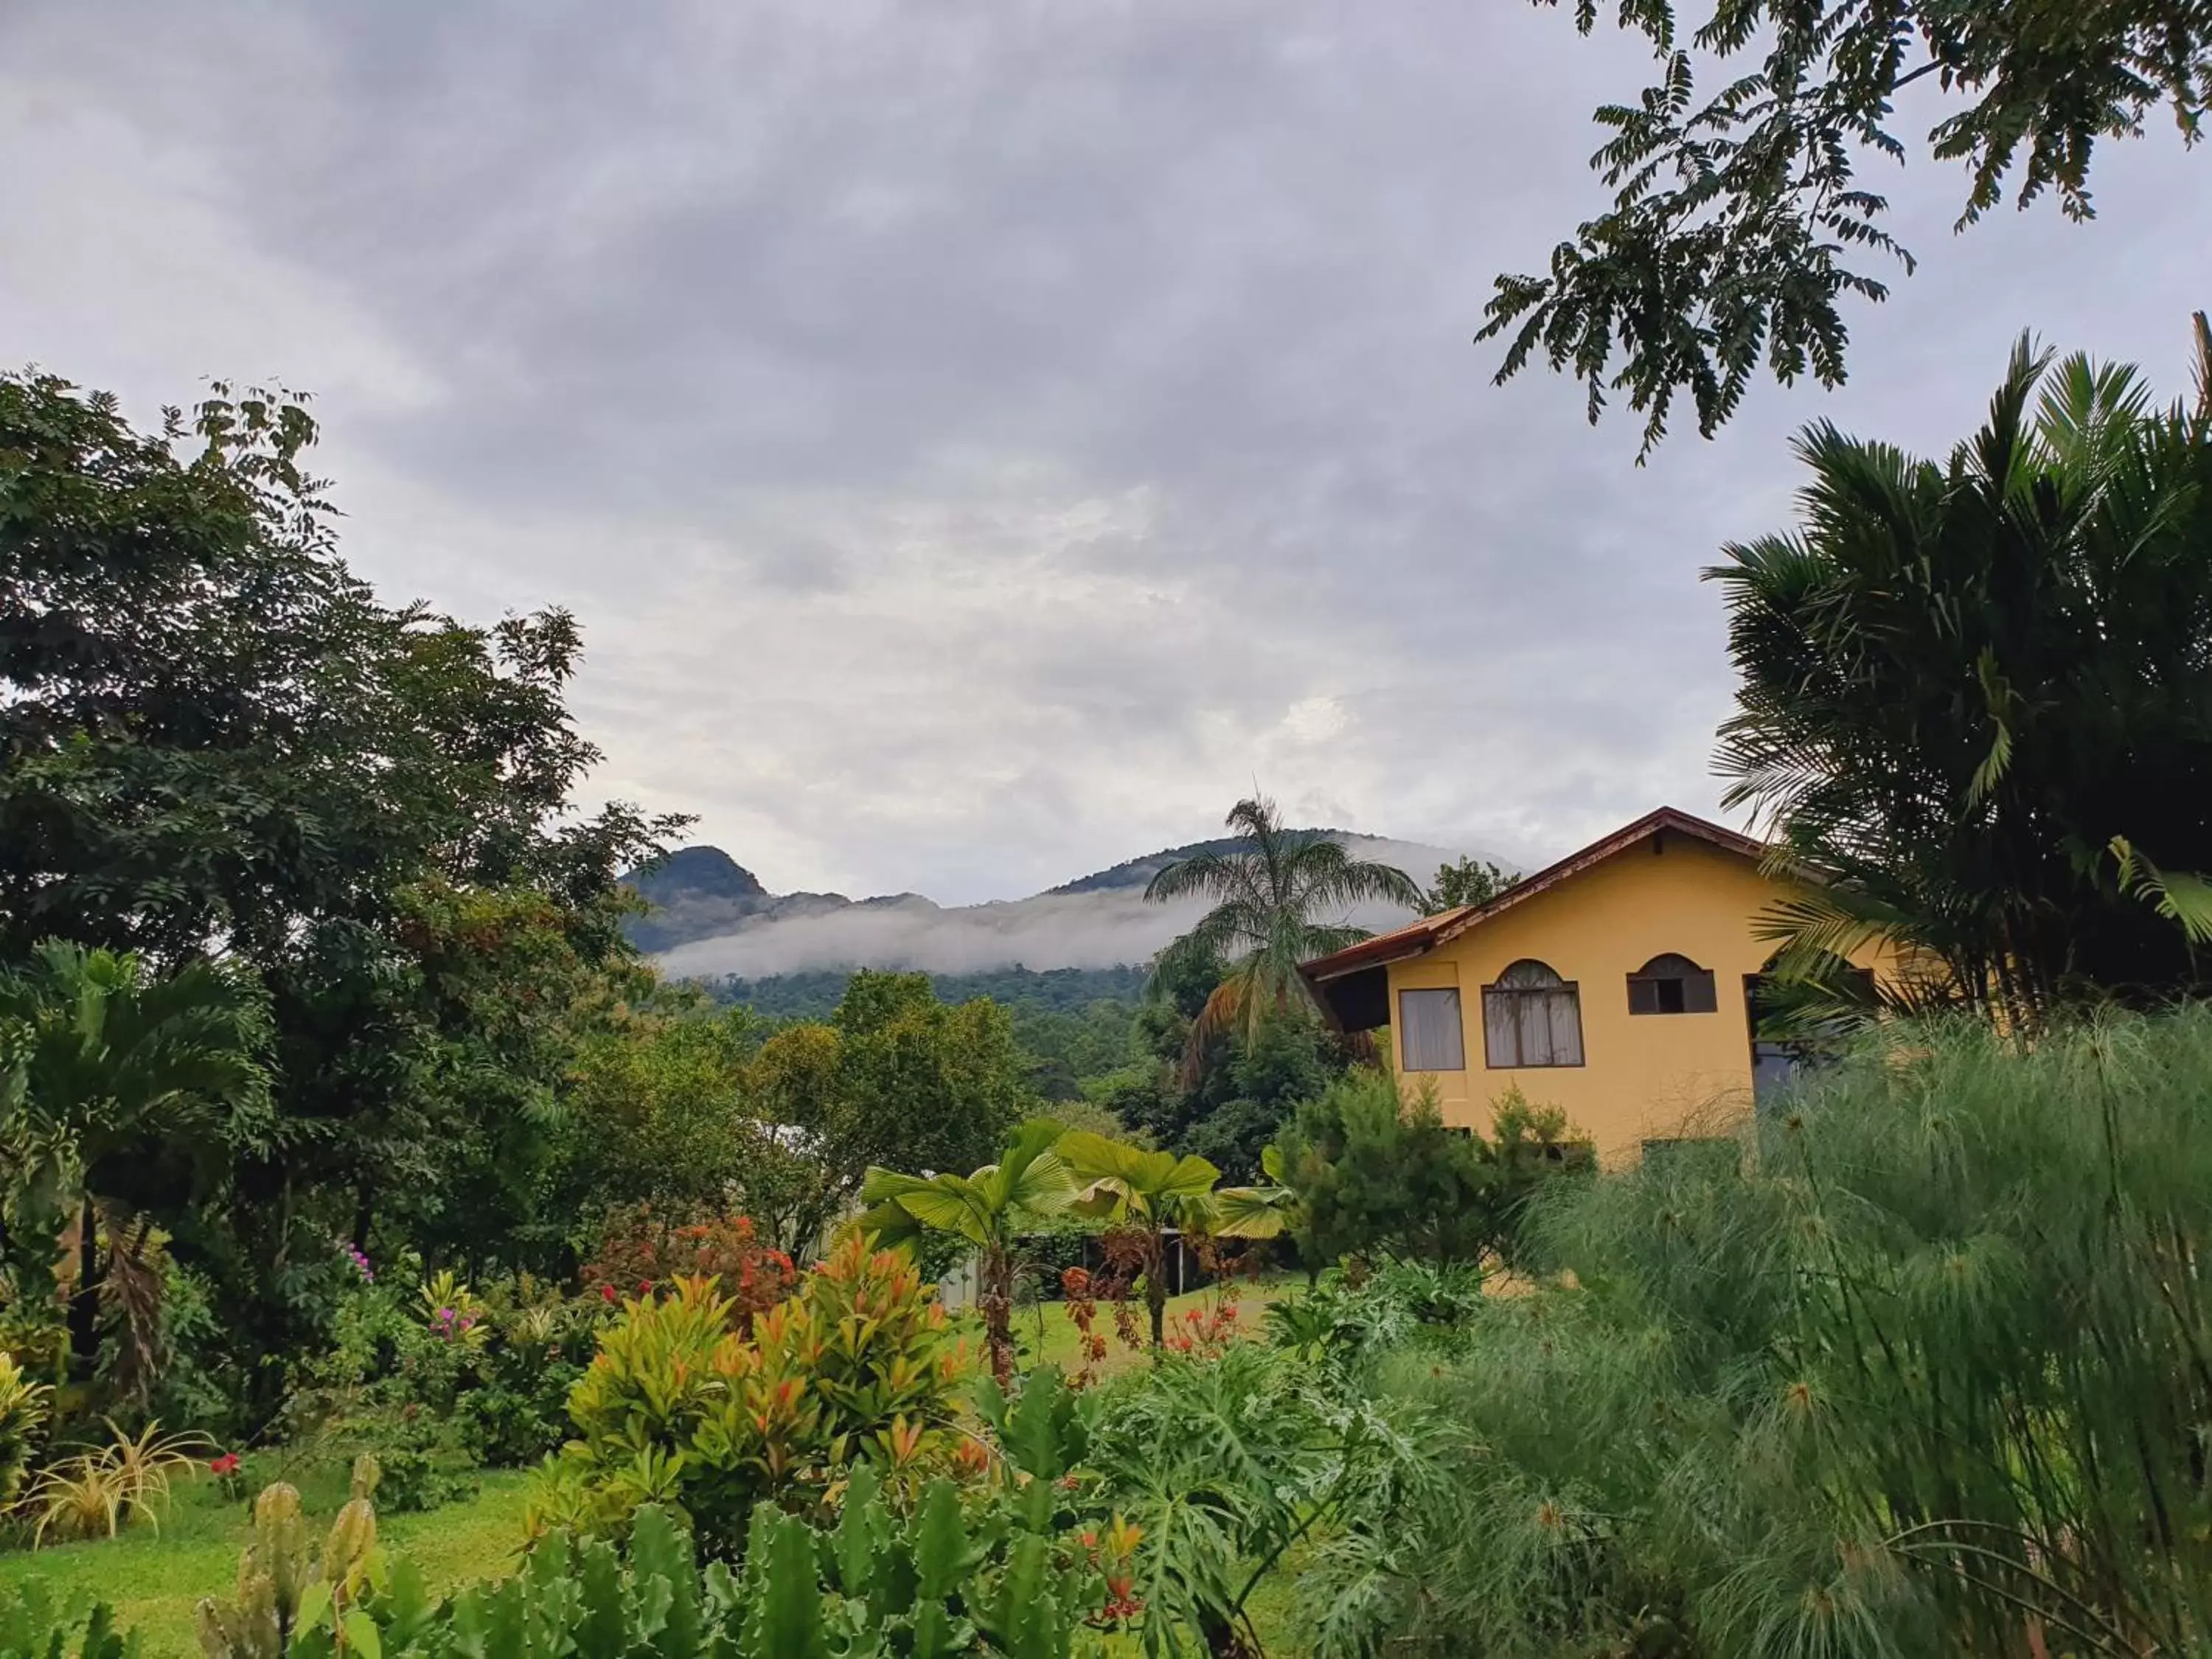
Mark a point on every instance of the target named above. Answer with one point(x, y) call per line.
point(33, 1627)
point(941, 1583)
point(289, 1599)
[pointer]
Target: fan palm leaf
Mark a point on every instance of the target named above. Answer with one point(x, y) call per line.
point(988, 1209)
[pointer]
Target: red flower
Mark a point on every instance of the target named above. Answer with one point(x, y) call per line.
point(607, 1292)
point(645, 1287)
point(226, 1464)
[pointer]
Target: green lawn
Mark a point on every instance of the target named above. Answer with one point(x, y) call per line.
point(1046, 1334)
point(155, 1581)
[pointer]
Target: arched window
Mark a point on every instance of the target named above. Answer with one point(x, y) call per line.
point(1531, 1017)
point(1671, 984)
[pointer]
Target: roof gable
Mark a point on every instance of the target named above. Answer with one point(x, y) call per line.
point(1418, 938)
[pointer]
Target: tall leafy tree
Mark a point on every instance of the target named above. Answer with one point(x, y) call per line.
point(215, 741)
point(1244, 1089)
point(1976, 696)
point(894, 1079)
point(1280, 898)
point(1466, 881)
point(988, 1210)
point(1740, 224)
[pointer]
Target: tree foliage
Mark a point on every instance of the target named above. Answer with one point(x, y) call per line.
point(896, 1078)
point(1372, 1174)
point(1976, 702)
point(117, 1088)
point(1227, 1108)
point(1464, 882)
point(655, 1110)
point(1278, 900)
point(1740, 224)
point(217, 743)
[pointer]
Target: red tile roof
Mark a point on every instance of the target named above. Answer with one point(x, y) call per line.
point(1418, 938)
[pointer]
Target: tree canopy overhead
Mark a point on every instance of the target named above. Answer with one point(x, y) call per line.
point(1740, 222)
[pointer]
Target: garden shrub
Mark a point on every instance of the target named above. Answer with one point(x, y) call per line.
point(1350, 1317)
point(644, 1250)
point(677, 1407)
point(22, 1415)
point(448, 1373)
point(995, 1566)
point(1375, 1175)
point(1221, 1465)
point(945, 1579)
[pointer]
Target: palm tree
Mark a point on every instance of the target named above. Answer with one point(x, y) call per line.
point(1028, 1184)
point(1267, 894)
point(1977, 701)
point(1152, 1192)
point(105, 1070)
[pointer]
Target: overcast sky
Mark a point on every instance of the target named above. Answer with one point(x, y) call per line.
point(982, 438)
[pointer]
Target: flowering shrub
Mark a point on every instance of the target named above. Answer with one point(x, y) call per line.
point(359, 1258)
point(1083, 1291)
point(229, 1471)
point(1204, 1333)
point(450, 1312)
point(678, 1408)
point(645, 1250)
point(433, 1376)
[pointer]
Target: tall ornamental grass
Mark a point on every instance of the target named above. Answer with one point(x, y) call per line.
point(1928, 1372)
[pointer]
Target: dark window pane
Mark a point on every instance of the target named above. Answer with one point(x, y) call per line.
point(1672, 984)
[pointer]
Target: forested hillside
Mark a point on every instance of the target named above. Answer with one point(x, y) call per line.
point(1056, 990)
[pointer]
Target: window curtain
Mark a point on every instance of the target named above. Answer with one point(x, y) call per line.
point(1433, 1040)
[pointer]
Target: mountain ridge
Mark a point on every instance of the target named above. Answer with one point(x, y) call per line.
point(710, 916)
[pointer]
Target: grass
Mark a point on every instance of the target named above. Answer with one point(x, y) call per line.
point(1046, 1335)
point(155, 1580)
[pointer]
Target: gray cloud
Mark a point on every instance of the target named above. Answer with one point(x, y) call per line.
point(983, 438)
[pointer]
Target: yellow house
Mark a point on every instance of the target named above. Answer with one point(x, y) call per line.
point(1616, 984)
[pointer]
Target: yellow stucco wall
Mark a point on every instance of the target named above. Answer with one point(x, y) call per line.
point(1644, 1076)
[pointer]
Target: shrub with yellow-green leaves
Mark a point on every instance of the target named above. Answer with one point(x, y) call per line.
point(678, 1409)
point(23, 1413)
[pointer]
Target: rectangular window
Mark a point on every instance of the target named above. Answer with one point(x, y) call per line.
point(1433, 1040)
point(1532, 1028)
